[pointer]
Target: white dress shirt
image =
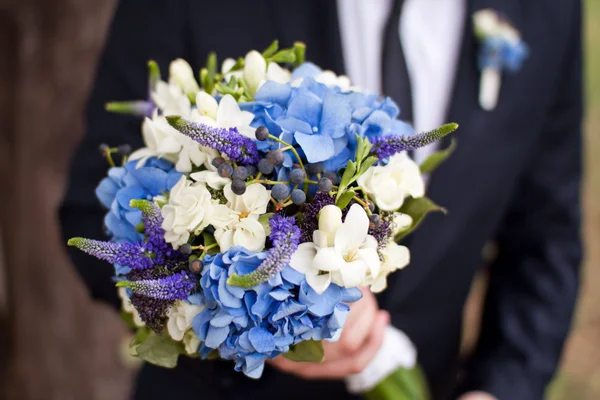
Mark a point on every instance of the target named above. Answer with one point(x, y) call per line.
point(431, 34)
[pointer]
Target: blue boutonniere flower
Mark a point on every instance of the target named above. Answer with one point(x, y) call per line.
point(501, 49)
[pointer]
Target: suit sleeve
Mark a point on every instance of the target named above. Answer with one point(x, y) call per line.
point(140, 31)
point(534, 281)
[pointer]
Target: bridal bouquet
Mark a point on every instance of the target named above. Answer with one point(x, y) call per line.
point(263, 198)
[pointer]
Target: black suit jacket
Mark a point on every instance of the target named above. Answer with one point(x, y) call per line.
point(514, 178)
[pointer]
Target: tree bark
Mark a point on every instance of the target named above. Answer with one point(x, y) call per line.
point(57, 343)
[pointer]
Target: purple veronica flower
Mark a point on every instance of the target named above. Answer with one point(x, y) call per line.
point(285, 237)
point(226, 140)
point(173, 287)
point(386, 146)
point(134, 255)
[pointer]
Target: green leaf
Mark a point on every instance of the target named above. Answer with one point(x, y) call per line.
point(208, 239)
point(417, 209)
point(435, 159)
point(206, 81)
point(140, 335)
point(300, 53)
point(160, 350)
point(264, 220)
point(348, 174)
point(269, 51)
point(360, 148)
point(286, 56)
point(127, 318)
point(344, 199)
point(307, 351)
point(211, 64)
point(366, 164)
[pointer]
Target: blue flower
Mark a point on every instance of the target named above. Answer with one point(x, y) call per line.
point(501, 54)
point(252, 325)
point(124, 184)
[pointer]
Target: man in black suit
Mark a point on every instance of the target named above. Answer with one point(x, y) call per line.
point(514, 179)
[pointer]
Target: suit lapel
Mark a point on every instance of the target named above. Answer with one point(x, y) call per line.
point(314, 22)
point(449, 186)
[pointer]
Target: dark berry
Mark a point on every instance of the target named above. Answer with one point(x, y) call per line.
point(217, 161)
point(251, 169)
point(240, 173)
point(225, 170)
point(375, 219)
point(265, 167)
point(104, 148)
point(332, 176)
point(324, 185)
point(371, 206)
point(298, 197)
point(297, 176)
point(315, 168)
point(124, 149)
point(280, 191)
point(262, 133)
point(185, 249)
point(275, 157)
point(196, 266)
point(238, 186)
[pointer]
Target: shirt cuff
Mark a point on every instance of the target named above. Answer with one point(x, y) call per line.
point(396, 351)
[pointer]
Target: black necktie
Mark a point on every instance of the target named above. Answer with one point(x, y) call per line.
point(395, 81)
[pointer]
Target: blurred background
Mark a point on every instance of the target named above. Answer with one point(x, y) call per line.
point(55, 343)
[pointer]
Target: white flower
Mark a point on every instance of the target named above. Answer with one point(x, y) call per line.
point(329, 78)
point(170, 99)
point(181, 315)
point(191, 342)
point(256, 71)
point(190, 209)
point(181, 74)
point(342, 253)
point(486, 23)
point(164, 141)
point(395, 257)
point(210, 176)
point(225, 114)
point(129, 308)
point(390, 184)
point(244, 228)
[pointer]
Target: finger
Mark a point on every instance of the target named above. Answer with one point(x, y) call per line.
point(350, 365)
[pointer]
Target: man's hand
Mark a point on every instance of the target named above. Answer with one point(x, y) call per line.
point(361, 337)
point(477, 396)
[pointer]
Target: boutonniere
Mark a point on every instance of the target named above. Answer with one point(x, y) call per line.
point(501, 49)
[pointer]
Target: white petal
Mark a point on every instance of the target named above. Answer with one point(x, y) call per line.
point(228, 111)
point(278, 74)
point(354, 273)
point(353, 231)
point(302, 258)
point(224, 238)
point(371, 258)
point(256, 199)
point(319, 283)
point(255, 67)
point(330, 218)
point(328, 259)
point(207, 105)
point(250, 234)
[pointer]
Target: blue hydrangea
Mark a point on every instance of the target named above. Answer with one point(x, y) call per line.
point(126, 183)
point(322, 122)
point(501, 54)
point(252, 325)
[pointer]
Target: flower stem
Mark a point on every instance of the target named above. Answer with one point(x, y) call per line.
point(109, 158)
point(292, 149)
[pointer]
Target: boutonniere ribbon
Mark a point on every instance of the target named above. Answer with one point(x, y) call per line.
point(501, 49)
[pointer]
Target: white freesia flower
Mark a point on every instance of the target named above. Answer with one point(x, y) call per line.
point(129, 308)
point(244, 228)
point(171, 99)
point(256, 71)
point(210, 176)
point(190, 209)
point(225, 114)
point(164, 141)
point(395, 257)
point(390, 184)
point(329, 78)
point(181, 74)
point(181, 315)
point(342, 253)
